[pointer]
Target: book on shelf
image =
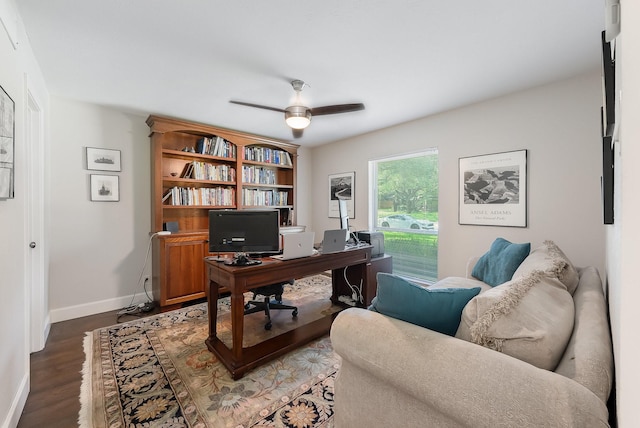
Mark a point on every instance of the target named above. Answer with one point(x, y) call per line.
point(216, 146)
point(267, 155)
point(255, 197)
point(258, 175)
point(187, 171)
point(203, 196)
point(167, 195)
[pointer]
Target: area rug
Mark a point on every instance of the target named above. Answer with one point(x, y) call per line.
point(157, 371)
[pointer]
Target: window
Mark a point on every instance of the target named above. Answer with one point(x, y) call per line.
point(404, 198)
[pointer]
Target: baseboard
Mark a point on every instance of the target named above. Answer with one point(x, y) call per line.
point(17, 406)
point(92, 308)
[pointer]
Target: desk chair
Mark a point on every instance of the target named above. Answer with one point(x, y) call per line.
point(267, 304)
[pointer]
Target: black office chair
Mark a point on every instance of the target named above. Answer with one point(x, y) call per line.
point(267, 304)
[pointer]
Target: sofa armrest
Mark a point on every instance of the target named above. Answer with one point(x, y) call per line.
point(470, 384)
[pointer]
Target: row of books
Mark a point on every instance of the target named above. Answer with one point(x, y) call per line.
point(267, 155)
point(216, 146)
point(214, 196)
point(258, 175)
point(271, 198)
point(206, 171)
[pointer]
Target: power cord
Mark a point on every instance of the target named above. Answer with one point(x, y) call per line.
point(148, 306)
point(356, 292)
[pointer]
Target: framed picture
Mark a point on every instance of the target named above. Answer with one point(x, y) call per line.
point(608, 168)
point(608, 88)
point(342, 186)
point(105, 188)
point(493, 189)
point(7, 145)
point(103, 159)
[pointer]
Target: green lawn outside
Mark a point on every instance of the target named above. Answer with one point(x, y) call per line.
point(415, 255)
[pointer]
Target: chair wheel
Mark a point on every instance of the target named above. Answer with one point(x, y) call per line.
point(267, 326)
point(295, 313)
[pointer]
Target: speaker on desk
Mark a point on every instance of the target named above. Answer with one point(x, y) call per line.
point(376, 239)
point(171, 226)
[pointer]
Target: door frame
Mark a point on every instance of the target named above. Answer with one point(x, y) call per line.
point(35, 272)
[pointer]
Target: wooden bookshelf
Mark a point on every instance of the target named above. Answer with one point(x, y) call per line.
point(196, 168)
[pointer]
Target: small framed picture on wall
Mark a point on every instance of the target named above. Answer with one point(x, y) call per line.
point(103, 159)
point(342, 187)
point(105, 188)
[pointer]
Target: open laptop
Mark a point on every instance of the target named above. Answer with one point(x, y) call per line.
point(334, 241)
point(296, 245)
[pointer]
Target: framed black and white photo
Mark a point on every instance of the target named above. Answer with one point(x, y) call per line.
point(105, 188)
point(493, 189)
point(7, 145)
point(342, 186)
point(103, 159)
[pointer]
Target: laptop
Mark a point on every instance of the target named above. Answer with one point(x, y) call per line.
point(334, 241)
point(296, 245)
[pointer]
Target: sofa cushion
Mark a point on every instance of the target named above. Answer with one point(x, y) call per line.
point(530, 318)
point(498, 264)
point(460, 282)
point(437, 309)
point(550, 259)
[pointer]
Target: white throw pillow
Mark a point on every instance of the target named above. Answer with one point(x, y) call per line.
point(550, 259)
point(530, 318)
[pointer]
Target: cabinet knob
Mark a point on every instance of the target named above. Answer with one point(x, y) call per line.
point(32, 244)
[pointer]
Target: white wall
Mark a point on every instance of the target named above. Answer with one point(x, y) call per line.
point(97, 249)
point(17, 66)
point(559, 126)
point(623, 252)
point(304, 198)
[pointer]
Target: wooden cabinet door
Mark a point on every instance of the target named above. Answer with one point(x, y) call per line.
point(183, 270)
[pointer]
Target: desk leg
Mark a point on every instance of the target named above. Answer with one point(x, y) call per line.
point(237, 323)
point(212, 302)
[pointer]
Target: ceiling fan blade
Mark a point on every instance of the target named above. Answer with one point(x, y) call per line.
point(257, 106)
point(335, 109)
point(297, 133)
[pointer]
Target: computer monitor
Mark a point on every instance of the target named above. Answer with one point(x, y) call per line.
point(344, 216)
point(246, 231)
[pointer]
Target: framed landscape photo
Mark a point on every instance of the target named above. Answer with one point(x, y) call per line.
point(7, 145)
point(103, 159)
point(493, 189)
point(342, 186)
point(105, 188)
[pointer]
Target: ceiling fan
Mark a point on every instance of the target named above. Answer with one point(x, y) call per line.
point(298, 116)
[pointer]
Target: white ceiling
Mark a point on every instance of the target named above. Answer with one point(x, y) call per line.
point(404, 59)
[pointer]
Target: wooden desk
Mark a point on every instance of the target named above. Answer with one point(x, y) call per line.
point(239, 279)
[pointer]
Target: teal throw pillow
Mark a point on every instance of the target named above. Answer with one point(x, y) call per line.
point(438, 309)
point(498, 264)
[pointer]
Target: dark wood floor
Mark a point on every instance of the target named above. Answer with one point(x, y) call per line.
point(56, 373)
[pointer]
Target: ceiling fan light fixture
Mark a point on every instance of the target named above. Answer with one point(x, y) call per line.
point(297, 117)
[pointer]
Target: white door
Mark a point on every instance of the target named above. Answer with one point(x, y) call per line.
point(35, 273)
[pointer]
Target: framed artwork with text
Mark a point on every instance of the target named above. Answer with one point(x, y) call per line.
point(493, 189)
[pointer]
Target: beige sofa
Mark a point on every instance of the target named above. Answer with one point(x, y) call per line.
point(397, 374)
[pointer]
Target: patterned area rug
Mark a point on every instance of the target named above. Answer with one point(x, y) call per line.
point(157, 371)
